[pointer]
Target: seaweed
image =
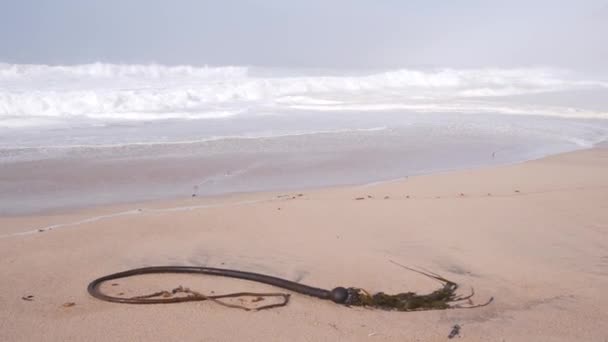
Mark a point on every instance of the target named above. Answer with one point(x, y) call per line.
point(443, 298)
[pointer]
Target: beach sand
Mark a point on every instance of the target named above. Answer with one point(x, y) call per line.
point(534, 236)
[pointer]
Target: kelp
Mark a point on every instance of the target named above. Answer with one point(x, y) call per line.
point(440, 299)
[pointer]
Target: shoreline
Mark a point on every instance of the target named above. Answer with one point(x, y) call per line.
point(182, 203)
point(172, 196)
point(92, 213)
point(201, 201)
point(410, 144)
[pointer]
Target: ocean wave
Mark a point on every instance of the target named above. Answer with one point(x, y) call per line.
point(33, 95)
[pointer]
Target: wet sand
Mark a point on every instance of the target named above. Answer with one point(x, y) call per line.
point(47, 177)
point(534, 236)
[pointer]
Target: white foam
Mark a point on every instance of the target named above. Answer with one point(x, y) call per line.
point(464, 108)
point(39, 95)
point(48, 148)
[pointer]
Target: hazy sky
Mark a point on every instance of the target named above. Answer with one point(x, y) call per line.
point(308, 33)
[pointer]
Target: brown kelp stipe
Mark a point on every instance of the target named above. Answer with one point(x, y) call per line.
point(441, 299)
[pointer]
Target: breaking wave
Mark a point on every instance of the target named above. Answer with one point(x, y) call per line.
point(32, 95)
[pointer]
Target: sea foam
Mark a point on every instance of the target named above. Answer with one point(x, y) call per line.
point(41, 95)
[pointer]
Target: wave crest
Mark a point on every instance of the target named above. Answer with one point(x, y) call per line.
point(33, 94)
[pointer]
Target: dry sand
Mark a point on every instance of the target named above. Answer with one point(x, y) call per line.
point(533, 235)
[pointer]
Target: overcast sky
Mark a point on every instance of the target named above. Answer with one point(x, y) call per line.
point(308, 33)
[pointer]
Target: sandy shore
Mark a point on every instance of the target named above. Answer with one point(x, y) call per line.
point(532, 235)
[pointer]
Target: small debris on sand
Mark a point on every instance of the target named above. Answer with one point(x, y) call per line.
point(257, 299)
point(386, 197)
point(359, 198)
point(461, 194)
point(455, 331)
point(114, 284)
point(68, 304)
point(28, 298)
point(517, 191)
point(369, 196)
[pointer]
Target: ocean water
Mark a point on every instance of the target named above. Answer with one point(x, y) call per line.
point(102, 133)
